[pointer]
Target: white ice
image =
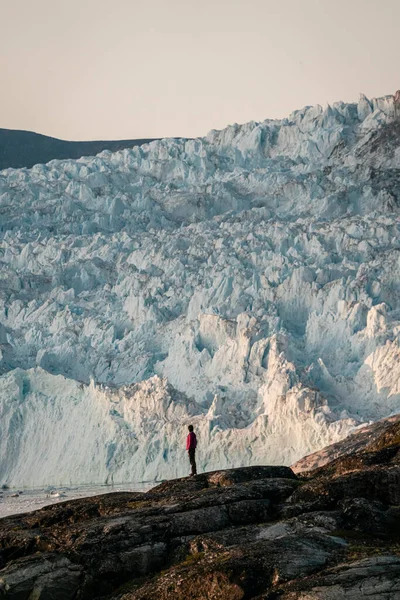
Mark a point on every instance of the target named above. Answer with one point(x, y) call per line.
point(246, 282)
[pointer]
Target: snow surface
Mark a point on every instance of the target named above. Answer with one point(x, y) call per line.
point(247, 282)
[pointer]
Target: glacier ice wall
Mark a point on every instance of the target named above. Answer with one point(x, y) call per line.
point(247, 282)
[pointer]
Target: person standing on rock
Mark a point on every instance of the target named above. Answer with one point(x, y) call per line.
point(191, 443)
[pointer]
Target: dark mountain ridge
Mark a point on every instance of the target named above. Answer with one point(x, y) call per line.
point(25, 148)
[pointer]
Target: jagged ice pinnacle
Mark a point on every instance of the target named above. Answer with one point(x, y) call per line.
point(247, 282)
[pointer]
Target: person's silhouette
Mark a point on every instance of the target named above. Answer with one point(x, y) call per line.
point(191, 443)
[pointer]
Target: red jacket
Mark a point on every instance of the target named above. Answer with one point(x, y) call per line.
point(191, 441)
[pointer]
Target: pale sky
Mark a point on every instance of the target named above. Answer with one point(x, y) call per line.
point(113, 69)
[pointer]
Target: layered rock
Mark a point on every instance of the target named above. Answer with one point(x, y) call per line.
point(361, 439)
point(247, 533)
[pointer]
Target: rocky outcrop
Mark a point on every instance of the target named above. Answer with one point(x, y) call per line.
point(376, 578)
point(248, 533)
point(358, 441)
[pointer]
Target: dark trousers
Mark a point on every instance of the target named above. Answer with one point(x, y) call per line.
point(192, 460)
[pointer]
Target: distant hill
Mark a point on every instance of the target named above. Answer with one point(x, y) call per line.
point(26, 148)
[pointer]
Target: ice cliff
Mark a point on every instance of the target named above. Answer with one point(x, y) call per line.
point(247, 282)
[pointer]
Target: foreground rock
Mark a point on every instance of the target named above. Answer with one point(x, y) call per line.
point(356, 442)
point(256, 532)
